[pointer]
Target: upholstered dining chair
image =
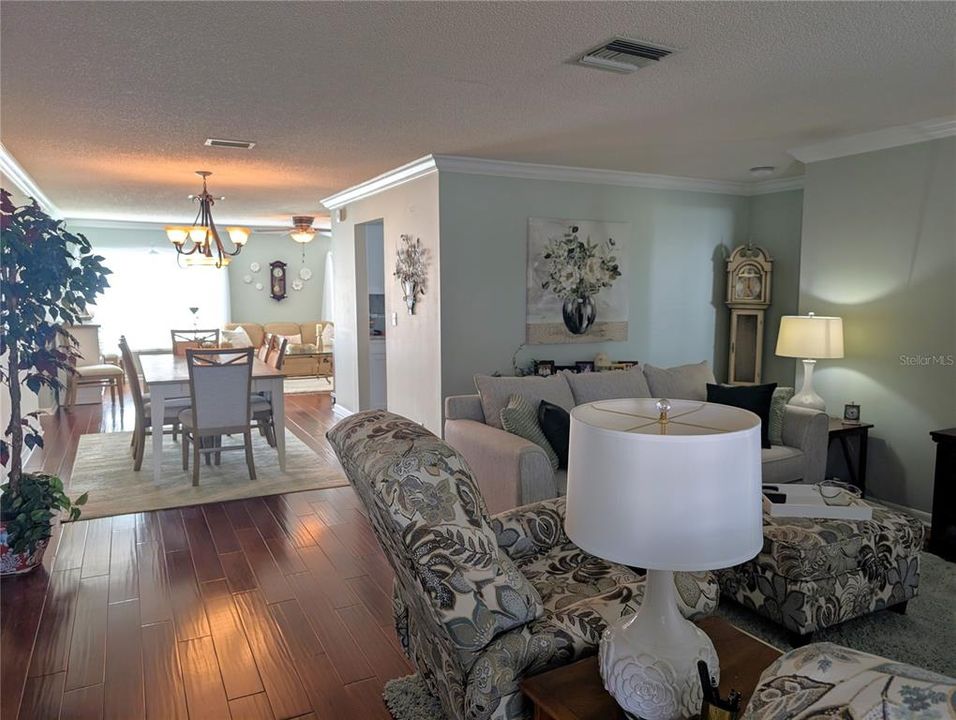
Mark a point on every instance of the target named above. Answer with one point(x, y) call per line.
point(480, 601)
point(141, 406)
point(89, 368)
point(220, 384)
point(268, 340)
point(184, 339)
point(261, 404)
point(276, 354)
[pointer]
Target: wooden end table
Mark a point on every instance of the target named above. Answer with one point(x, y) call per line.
point(576, 691)
point(843, 431)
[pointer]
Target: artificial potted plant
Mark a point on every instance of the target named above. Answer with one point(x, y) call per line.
point(47, 277)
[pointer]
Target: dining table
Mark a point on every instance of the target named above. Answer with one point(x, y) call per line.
point(167, 376)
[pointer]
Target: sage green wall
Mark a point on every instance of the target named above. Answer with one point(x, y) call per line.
point(879, 250)
point(251, 305)
point(776, 224)
point(676, 270)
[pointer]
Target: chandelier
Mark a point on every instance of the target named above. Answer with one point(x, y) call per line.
point(200, 243)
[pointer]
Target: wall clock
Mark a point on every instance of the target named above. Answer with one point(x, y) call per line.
point(277, 279)
point(748, 294)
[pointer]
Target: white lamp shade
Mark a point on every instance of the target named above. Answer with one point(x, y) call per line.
point(685, 498)
point(810, 336)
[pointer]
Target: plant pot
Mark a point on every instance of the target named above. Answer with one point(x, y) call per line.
point(579, 314)
point(13, 563)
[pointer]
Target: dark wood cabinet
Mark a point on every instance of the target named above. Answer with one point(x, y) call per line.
point(942, 538)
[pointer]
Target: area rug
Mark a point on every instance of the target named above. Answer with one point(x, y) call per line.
point(104, 467)
point(925, 637)
point(300, 386)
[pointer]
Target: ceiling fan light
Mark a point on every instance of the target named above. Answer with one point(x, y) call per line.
point(239, 235)
point(199, 234)
point(177, 234)
point(302, 235)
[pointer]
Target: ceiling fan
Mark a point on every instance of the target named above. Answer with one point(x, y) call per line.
point(302, 230)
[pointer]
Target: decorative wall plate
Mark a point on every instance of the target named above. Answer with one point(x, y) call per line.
point(297, 284)
point(247, 279)
point(258, 286)
point(305, 273)
point(254, 266)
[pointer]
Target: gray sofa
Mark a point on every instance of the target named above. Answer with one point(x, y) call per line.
point(512, 471)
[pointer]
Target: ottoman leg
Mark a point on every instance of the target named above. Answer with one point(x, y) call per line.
point(798, 640)
point(900, 608)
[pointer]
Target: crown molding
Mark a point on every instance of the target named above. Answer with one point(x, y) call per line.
point(882, 139)
point(766, 187)
point(24, 183)
point(393, 178)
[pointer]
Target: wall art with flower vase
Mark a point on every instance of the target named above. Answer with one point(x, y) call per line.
point(577, 281)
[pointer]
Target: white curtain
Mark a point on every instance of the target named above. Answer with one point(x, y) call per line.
point(328, 290)
point(149, 295)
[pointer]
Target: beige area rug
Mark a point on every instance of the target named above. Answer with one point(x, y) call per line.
point(104, 467)
point(299, 386)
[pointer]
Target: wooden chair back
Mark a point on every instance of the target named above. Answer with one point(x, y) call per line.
point(276, 356)
point(220, 382)
point(186, 339)
point(268, 341)
point(132, 376)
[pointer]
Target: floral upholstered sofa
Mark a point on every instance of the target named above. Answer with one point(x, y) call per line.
point(829, 681)
point(482, 601)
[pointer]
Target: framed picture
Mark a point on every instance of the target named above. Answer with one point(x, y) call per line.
point(577, 281)
point(584, 366)
point(544, 368)
point(623, 364)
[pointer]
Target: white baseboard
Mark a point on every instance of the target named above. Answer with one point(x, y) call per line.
point(922, 516)
point(340, 411)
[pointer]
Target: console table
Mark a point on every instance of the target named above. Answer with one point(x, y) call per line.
point(576, 691)
point(942, 536)
point(842, 432)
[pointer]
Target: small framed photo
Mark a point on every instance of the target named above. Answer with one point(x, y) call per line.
point(851, 414)
point(544, 368)
point(623, 364)
point(584, 366)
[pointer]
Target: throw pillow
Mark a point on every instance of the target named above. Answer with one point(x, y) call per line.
point(495, 393)
point(237, 338)
point(781, 396)
point(610, 385)
point(521, 418)
point(684, 382)
point(755, 398)
point(293, 339)
point(555, 423)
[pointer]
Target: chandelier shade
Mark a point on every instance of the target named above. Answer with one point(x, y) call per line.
point(200, 243)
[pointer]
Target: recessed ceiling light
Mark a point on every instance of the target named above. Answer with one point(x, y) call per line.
point(223, 143)
point(762, 170)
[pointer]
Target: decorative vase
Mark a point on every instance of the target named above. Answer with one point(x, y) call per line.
point(410, 289)
point(19, 563)
point(579, 314)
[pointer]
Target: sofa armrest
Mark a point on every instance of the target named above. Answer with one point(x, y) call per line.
point(531, 529)
point(508, 469)
point(464, 407)
point(807, 430)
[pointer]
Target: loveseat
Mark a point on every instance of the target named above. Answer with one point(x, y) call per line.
point(311, 357)
point(512, 471)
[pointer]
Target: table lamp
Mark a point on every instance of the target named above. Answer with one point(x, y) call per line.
point(662, 485)
point(810, 337)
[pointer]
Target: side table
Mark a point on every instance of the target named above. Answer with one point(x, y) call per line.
point(576, 691)
point(843, 431)
point(942, 536)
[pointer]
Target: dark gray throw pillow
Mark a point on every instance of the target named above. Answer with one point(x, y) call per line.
point(555, 423)
point(755, 398)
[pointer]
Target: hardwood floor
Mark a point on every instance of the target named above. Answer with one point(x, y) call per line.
point(259, 609)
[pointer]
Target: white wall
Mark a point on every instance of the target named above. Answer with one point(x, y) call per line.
point(413, 347)
point(879, 249)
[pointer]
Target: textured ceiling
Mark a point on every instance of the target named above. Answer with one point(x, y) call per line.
point(107, 104)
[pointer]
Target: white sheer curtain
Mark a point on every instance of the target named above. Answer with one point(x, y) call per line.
point(149, 295)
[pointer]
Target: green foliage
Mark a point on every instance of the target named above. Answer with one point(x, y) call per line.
point(29, 511)
point(48, 276)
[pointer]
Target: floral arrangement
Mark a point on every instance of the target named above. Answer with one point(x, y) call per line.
point(411, 269)
point(578, 268)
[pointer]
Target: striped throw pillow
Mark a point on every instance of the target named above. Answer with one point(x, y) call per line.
point(520, 418)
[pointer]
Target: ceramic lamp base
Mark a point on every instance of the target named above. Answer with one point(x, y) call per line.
point(807, 397)
point(649, 660)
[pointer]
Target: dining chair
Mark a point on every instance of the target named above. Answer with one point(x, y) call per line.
point(185, 339)
point(262, 405)
point(276, 355)
point(268, 340)
point(89, 367)
point(220, 385)
point(141, 406)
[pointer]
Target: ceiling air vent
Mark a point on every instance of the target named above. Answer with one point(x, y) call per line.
point(238, 144)
point(624, 56)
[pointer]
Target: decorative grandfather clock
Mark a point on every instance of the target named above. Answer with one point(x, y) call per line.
point(748, 296)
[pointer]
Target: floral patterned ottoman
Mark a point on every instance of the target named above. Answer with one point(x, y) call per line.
point(814, 573)
point(829, 681)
